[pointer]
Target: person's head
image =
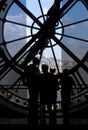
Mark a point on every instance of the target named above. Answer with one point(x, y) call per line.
point(45, 68)
point(35, 61)
point(65, 72)
point(52, 70)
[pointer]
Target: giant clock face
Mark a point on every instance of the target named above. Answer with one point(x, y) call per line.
point(23, 28)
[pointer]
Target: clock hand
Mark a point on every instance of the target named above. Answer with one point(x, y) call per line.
point(20, 52)
point(39, 45)
point(70, 53)
point(31, 41)
point(28, 12)
point(12, 62)
point(51, 12)
point(67, 6)
point(54, 12)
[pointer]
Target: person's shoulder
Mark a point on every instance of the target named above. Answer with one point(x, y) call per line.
point(29, 68)
point(71, 77)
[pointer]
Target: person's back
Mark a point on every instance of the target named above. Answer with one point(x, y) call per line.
point(44, 90)
point(32, 73)
point(53, 87)
point(66, 83)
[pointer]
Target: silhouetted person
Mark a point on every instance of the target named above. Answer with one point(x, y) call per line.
point(32, 81)
point(54, 86)
point(53, 94)
point(66, 82)
point(44, 90)
point(48, 93)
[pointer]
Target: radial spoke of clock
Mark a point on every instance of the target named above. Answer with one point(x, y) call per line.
point(65, 8)
point(13, 61)
point(73, 56)
point(3, 64)
point(81, 78)
point(26, 47)
point(54, 56)
point(20, 24)
point(28, 12)
point(41, 10)
point(5, 69)
point(78, 86)
point(23, 55)
point(77, 38)
point(74, 23)
point(39, 45)
point(18, 82)
point(7, 42)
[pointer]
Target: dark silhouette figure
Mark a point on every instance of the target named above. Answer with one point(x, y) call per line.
point(54, 12)
point(32, 81)
point(54, 86)
point(44, 90)
point(53, 95)
point(66, 82)
point(48, 93)
point(53, 18)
